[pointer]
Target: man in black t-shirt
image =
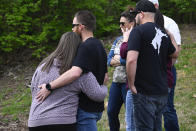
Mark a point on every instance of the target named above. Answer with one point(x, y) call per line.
point(91, 57)
point(148, 49)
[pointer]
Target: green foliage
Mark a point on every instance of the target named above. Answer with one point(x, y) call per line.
point(183, 11)
point(38, 24)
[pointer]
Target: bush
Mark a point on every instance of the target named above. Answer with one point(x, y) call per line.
point(38, 24)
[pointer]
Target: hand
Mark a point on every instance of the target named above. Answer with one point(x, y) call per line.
point(117, 58)
point(126, 34)
point(115, 61)
point(43, 93)
point(133, 90)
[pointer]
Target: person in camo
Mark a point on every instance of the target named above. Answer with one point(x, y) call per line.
point(118, 90)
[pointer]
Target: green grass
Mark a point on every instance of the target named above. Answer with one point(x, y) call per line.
point(185, 89)
point(15, 102)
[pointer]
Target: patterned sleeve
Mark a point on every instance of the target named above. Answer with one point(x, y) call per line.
point(111, 53)
point(91, 87)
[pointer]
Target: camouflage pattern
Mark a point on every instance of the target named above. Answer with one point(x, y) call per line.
point(119, 74)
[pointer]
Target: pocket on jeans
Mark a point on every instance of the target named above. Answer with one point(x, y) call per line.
point(135, 98)
point(135, 94)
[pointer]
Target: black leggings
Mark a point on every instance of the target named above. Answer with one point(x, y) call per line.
point(60, 127)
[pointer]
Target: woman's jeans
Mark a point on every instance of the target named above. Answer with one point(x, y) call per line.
point(117, 97)
point(170, 116)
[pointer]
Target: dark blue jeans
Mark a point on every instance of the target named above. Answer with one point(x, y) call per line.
point(170, 116)
point(148, 111)
point(117, 97)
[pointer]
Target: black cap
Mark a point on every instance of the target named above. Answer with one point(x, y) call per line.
point(145, 6)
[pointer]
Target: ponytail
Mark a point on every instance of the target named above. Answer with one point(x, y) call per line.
point(158, 19)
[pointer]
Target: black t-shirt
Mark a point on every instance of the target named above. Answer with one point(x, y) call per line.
point(91, 57)
point(154, 47)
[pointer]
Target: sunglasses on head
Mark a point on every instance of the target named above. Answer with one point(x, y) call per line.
point(73, 25)
point(135, 12)
point(122, 23)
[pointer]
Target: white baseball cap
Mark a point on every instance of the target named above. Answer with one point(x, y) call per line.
point(154, 1)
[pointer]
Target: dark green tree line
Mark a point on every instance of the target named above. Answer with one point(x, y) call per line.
point(38, 24)
point(182, 11)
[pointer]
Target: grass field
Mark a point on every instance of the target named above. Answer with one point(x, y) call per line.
point(185, 92)
point(15, 102)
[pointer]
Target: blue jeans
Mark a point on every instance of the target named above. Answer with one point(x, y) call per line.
point(148, 111)
point(170, 116)
point(87, 121)
point(117, 97)
point(130, 125)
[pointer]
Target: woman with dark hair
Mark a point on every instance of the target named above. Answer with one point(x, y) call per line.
point(130, 125)
point(118, 91)
point(58, 111)
point(159, 20)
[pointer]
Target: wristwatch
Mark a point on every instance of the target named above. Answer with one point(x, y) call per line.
point(48, 87)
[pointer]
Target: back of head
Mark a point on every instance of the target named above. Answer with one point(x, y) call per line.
point(159, 20)
point(145, 6)
point(86, 18)
point(64, 53)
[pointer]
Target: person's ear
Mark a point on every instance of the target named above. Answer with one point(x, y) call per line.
point(82, 27)
point(142, 14)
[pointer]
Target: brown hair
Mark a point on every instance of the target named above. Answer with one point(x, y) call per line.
point(86, 18)
point(128, 15)
point(159, 19)
point(64, 53)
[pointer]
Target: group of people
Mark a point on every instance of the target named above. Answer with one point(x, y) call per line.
point(69, 86)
